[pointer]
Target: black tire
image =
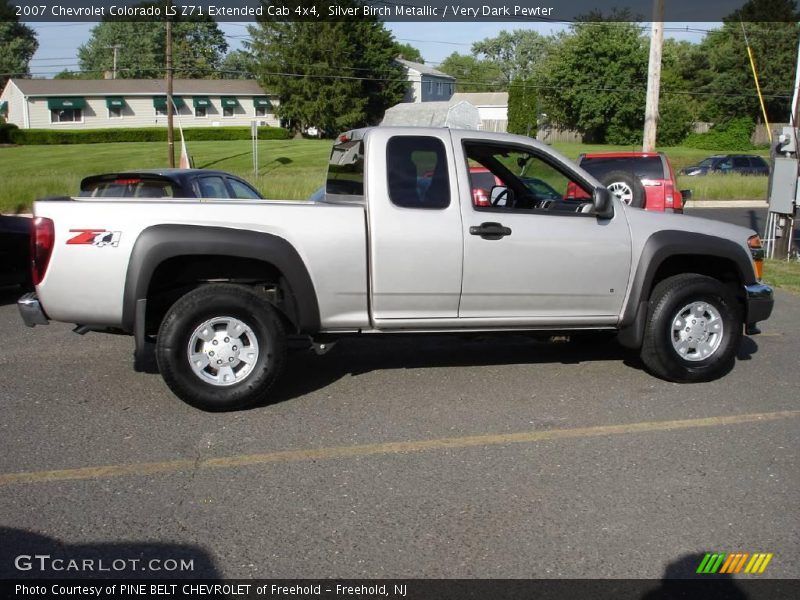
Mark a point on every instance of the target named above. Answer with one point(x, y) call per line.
point(636, 196)
point(205, 304)
point(665, 316)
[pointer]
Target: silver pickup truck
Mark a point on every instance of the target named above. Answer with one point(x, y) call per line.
point(399, 242)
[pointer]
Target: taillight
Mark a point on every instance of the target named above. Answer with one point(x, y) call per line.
point(43, 238)
point(757, 252)
point(669, 195)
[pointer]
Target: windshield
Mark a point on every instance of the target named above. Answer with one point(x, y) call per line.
point(644, 167)
point(128, 187)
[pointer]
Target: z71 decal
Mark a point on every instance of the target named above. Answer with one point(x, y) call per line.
point(95, 237)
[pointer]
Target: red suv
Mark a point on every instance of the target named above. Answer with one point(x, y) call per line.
point(640, 179)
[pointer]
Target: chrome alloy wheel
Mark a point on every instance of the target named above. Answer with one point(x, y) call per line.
point(697, 331)
point(622, 191)
point(223, 351)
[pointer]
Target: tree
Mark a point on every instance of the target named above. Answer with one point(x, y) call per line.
point(515, 53)
point(17, 45)
point(238, 64)
point(408, 52)
point(594, 81)
point(522, 108)
point(198, 47)
point(473, 74)
point(772, 28)
point(329, 75)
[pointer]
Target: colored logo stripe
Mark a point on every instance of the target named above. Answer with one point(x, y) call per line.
point(720, 562)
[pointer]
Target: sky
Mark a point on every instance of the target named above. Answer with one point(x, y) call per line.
point(58, 42)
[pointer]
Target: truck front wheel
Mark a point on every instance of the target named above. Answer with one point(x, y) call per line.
point(221, 347)
point(694, 327)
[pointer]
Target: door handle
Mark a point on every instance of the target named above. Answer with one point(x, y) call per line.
point(490, 231)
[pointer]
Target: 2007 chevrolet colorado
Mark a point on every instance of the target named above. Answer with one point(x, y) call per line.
point(395, 245)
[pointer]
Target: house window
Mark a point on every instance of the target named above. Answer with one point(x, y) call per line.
point(115, 112)
point(66, 115)
point(161, 112)
point(227, 111)
point(430, 86)
point(439, 87)
point(200, 112)
point(261, 111)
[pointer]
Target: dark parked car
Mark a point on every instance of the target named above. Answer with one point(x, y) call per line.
point(744, 164)
point(169, 183)
point(15, 235)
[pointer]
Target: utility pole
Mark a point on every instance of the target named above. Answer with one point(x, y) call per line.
point(170, 130)
point(653, 78)
point(115, 47)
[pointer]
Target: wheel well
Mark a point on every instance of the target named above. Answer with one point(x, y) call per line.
point(178, 275)
point(722, 269)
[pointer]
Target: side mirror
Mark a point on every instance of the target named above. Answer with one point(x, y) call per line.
point(501, 196)
point(603, 205)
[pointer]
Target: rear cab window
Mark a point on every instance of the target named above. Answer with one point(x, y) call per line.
point(346, 167)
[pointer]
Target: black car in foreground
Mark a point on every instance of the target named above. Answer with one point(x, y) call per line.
point(15, 235)
point(169, 183)
point(744, 164)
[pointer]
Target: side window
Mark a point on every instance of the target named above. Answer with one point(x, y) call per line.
point(741, 162)
point(513, 178)
point(243, 191)
point(417, 174)
point(212, 187)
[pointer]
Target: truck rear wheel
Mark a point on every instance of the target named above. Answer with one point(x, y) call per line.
point(694, 328)
point(221, 347)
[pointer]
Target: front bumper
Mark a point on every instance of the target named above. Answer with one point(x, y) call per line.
point(758, 302)
point(31, 310)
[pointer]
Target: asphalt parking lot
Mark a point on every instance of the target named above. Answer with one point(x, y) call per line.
point(502, 458)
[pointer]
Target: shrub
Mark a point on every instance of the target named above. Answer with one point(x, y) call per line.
point(733, 135)
point(138, 134)
point(6, 131)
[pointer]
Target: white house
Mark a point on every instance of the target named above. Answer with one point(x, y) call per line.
point(492, 108)
point(103, 103)
point(426, 84)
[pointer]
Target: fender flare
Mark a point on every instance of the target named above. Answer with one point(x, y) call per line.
point(161, 242)
point(659, 247)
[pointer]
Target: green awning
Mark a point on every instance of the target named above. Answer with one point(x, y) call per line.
point(201, 101)
point(262, 102)
point(3, 107)
point(115, 102)
point(64, 103)
point(229, 102)
point(160, 102)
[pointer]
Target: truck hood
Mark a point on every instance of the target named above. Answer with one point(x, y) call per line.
point(646, 222)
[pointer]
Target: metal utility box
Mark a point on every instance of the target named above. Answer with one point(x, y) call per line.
point(783, 185)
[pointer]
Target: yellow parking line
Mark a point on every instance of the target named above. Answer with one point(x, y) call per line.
point(242, 460)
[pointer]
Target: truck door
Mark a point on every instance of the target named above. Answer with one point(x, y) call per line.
point(537, 254)
point(414, 221)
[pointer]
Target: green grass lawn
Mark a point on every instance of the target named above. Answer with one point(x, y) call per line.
point(783, 274)
point(289, 169)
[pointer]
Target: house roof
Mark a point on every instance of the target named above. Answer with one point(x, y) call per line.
point(482, 98)
point(424, 69)
point(139, 87)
